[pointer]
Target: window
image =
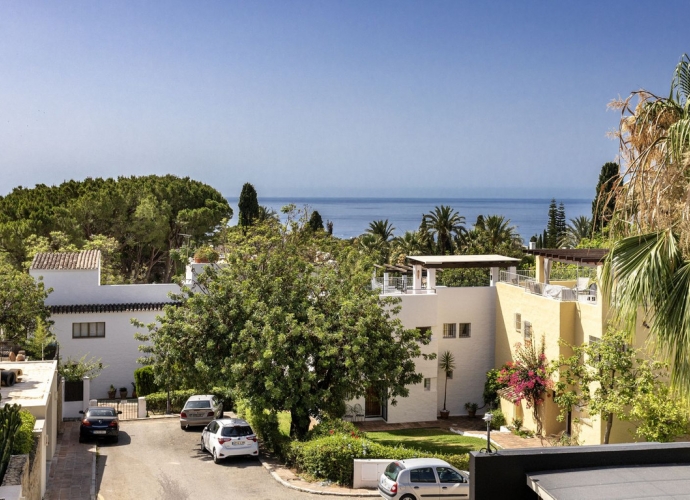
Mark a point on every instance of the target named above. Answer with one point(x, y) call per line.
point(447, 475)
point(527, 332)
point(449, 375)
point(464, 330)
point(427, 384)
point(87, 330)
point(422, 475)
point(424, 330)
point(449, 330)
point(518, 322)
point(393, 470)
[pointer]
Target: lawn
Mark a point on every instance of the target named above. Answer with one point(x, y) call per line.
point(430, 440)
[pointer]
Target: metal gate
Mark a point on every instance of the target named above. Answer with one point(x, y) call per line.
point(128, 407)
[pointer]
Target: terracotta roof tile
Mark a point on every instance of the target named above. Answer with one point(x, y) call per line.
point(88, 259)
point(108, 308)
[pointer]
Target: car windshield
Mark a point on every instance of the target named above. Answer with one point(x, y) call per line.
point(236, 431)
point(393, 470)
point(105, 412)
point(198, 404)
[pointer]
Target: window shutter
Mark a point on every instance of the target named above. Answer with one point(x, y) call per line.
point(518, 322)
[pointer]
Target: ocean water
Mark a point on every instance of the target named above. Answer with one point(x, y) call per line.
point(351, 216)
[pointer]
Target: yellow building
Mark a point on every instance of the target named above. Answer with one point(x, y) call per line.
point(532, 306)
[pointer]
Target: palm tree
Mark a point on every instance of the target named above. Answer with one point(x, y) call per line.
point(382, 229)
point(578, 229)
point(443, 223)
point(649, 268)
point(447, 364)
point(496, 230)
point(409, 244)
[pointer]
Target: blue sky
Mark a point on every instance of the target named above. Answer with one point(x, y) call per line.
point(357, 98)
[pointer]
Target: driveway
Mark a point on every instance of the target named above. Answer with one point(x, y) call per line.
point(155, 459)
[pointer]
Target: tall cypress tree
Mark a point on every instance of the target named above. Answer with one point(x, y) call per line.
point(605, 196)
point(248, 205)
point(315, 221)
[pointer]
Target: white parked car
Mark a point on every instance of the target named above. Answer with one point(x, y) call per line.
point(200, 410)
point(423, 478)
point(229, 437)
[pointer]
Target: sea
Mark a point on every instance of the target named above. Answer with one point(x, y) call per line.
point(351, 216)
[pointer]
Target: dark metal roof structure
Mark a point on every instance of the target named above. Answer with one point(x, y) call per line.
point(591, 256)
point(53, 261)
point(109, 308)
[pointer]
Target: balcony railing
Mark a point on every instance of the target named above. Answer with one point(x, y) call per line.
point(581, 291)
point(395, 285)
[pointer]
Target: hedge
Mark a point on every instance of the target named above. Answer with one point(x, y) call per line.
point(24, 439)
point(266, 426)
point(144, 381)
point(157, 401)
point(331, 457)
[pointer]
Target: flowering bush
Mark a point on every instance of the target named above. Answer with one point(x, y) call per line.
point(526, 379)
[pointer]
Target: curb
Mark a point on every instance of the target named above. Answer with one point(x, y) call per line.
point(275, 476)
point(92, 491)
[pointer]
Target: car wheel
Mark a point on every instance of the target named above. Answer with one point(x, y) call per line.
point(407, 497)
point(81, 438)
point(216, 460)
point(184, 427)
point(203, 448)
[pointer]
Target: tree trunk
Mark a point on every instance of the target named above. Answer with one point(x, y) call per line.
point(299, 426)
point(609, 424)
point(445, 391)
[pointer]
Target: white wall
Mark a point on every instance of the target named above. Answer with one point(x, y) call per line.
point(474, 356)
point(118, 350)
point(79, 287)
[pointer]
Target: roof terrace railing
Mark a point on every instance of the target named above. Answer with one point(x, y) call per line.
point(583, 291)
point(396, 285)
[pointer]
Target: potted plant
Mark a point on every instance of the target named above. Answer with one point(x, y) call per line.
point(471, 409)
point(205, 254)
point(447, 365)
point(123, 393)
point(111, 392)
point(134, 390)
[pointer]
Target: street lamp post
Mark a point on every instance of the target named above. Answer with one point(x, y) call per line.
point(488, 417)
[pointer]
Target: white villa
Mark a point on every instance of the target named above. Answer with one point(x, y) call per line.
point(478, 325)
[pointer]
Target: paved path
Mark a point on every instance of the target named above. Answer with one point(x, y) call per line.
point(155, 459)
point(70, 469)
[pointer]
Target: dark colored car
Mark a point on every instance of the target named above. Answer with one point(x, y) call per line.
point(99, 422)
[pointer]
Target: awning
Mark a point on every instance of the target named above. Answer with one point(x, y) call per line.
point(461, 261)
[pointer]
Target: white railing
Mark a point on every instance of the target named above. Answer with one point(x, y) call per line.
point(527, 281)
point(401, 284)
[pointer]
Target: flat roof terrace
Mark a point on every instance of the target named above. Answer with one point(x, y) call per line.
point(33, 385)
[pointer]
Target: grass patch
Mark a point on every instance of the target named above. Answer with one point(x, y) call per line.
point(284, 421)
point(429, 440)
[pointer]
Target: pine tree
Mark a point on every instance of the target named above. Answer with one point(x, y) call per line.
point(540, 242)
point(561, 225)
point(315, 221)
point(248, 205)
point(551, 237)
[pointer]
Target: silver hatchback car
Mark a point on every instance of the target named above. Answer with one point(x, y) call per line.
point(200, 410)
point(427, 478)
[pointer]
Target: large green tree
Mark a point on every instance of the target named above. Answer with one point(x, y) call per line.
point(21, 303)
point(648, 267)
point(291, 323)
point(146, 216)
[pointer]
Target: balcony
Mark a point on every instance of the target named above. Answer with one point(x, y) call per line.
point(579, 289)
point(398, 285)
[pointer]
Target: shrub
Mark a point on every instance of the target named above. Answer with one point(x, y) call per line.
point(266, 426)
point(24, 438)
point(156, 402)
point(498, 420)
point(331, 457)
point(144, 381)
point(330, 426)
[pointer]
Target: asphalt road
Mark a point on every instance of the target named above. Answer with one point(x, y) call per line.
point(155, 459)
